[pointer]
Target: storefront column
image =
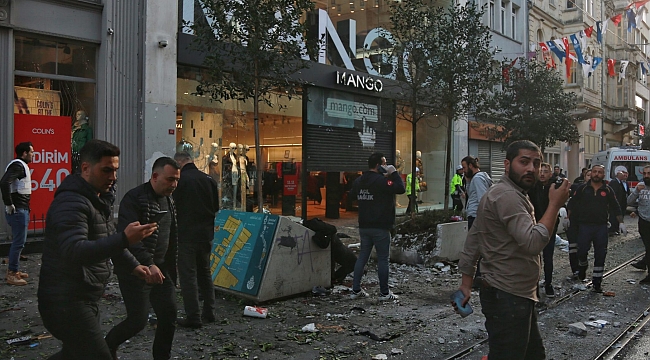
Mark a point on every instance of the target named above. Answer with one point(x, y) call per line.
point(6, 106)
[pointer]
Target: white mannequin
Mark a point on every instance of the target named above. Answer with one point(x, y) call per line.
point(399, 162)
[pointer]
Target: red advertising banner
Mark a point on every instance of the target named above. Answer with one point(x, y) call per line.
point(290, 184)
point(51, 137)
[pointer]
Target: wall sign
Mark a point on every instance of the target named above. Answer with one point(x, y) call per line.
point(359, 81)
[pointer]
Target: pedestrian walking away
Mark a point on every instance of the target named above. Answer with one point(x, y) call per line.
point(413, 204)
point(509, 240)
point(591, 207)
point(80, 238)
point(375, 191)
point(16, 187)
point(197, 202)
point(642, 195)
point(148, 203)
point(539, 198)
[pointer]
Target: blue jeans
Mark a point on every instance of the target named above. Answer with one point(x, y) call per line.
point(380, 239)
point(511, 323)
point(18, 222)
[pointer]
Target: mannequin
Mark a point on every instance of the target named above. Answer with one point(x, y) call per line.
point(420, 165)
point(399, 162)
point(81, 134)
point(243, 163)
point(230, 178)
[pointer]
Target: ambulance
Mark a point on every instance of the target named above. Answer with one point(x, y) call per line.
point(631, 157)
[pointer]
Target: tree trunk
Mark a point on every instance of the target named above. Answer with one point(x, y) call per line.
point(258, 147)
point(450, 123)
point(413, 196)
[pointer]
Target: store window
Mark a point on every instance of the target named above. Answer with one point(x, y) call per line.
point(220, 136)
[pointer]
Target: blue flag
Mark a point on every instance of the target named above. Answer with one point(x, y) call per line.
point(577, 48)
point(559, 53)
point(597, 60)
point(599, 32)
point(644, 70)
point(631, 20)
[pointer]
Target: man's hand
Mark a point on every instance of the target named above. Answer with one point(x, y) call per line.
point(135, 232)
point(10, 209)
point(141, 272)
point(156, 276)
point(639, 187)
point(559, 196)
point(632, 215)
point(467, 291)
point(622, 229)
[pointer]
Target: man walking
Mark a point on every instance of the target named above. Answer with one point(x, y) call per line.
point(158, 253)
point(622, 191)
point(509, 240)
point(375, 194)
point(197, 202)
point(479, 183)
point(456, 188)
point(16, 187)
point(642, 194)
point(79, 240)
point(539, 198)
point(591, 207)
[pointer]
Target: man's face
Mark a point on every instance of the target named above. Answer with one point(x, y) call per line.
point(101, 176)
point(621, 176)
point(556, 170)
point(28, 156)
point(523, 170)
point(544, 174)
point(164, 182)
point(467, 169)
point(625, 175)
point(646, 176)
point(597, 174)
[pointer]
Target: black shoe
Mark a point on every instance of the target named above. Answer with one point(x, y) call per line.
point(582, 274)
point(645, 280)
point(641, 265)
point(550, 292)
point(188, 324)
point(597, 288)
point(208, 319)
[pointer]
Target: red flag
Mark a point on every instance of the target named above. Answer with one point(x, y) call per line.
point(568, 61)
point(548, 58)
point(565, 40)
point(616, 19)
point(590, 29)
point(610, 67)
point(506, 71)
point(637, 4)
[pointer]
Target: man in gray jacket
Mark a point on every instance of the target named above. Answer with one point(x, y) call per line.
point(642, 194)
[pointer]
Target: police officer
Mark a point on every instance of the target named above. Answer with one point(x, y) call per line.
point(591, 206)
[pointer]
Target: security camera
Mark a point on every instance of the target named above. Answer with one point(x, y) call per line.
point(163, 43)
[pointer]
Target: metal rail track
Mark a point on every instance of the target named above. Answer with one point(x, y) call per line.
point(555, 303)
point(616, 345)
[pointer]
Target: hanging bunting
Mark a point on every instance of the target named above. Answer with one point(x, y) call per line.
point(557, 49)
point(621, 73)
point(616, 19)
point(605, 26)
point(599, 32)
point(610, 67)
point(546, 54)
point(589, 30)
point(506, 71)
point(565, 42)
point(631, 20)
point(637, 4)
point(577, 48)
point(582, 36)
point(596, 61)
point(644, 70)
point(568, 62)
point(587, 68)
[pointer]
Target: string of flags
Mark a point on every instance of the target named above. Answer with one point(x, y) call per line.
point(561, 47)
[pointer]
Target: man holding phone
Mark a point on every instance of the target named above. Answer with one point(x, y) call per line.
point(150, 202)
point(80, 238)
point(509, 240)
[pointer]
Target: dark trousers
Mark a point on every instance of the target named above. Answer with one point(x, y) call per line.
point(138, 297)
point(596, 234)
point(457, 203)
point(76, 324)
point(644, 231)
point(195, 276)
point(412, 202)
point(547, 256)
point(572, 237)
point(511, 323)
point(343, 256)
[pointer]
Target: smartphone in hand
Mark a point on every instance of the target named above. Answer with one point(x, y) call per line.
point(158, 216)
point(458, 298)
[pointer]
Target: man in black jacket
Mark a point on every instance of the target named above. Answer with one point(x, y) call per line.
point(197, 202)
point(80, 238)
point(622, 191)
point(375, 193)
point(158, 253)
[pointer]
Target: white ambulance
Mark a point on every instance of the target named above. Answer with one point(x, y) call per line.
point(632, 157)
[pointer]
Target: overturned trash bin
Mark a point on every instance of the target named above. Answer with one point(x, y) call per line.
point(263, 257)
